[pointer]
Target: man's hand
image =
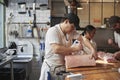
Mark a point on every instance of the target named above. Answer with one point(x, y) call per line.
point(95, 56)
point(110, 41)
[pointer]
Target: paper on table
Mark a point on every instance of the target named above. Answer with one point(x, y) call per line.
point(75, 76)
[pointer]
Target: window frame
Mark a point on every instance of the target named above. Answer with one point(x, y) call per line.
point(2, 25)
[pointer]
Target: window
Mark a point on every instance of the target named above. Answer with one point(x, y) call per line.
point(95, 12)
point(1, 25)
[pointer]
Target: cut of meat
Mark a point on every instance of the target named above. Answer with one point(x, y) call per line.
point(79, 60)
point(107, 57)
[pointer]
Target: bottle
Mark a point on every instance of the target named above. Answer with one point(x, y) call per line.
point(29, 30)
point(42, 49)
point(42, 46)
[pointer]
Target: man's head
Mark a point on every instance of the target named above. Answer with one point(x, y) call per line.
point(73, 18)
point(72, 21)
point(114, 22)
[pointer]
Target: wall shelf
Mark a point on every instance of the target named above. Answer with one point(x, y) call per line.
point(31, 23)
point(28, 38)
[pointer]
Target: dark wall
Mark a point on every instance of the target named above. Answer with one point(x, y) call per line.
point(55, 20)
point(101, 38)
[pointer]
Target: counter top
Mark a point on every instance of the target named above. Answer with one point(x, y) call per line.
point(7, 60)
point(102, 71)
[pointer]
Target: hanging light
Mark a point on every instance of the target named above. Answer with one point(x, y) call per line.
point(73, 6)
point(79, 6)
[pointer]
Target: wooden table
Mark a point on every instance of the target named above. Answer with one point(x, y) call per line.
point(102, 71)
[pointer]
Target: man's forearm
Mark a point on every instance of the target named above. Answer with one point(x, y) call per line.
point(62, 49)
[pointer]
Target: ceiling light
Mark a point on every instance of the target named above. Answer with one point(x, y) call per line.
point(79, 6)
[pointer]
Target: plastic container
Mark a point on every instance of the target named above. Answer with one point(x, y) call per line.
point(29, 31)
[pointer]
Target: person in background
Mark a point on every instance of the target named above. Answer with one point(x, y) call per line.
point(89, 45)
point(71, 6)
point(114, 22)
point(58, 43)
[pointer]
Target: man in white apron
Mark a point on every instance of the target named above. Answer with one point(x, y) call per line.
point(57, 44)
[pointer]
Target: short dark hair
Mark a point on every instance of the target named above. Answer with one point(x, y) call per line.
point(73, 18)
point(113, 20)
point(88, 29)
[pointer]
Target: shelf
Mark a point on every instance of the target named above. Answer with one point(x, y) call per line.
point(28, 38)
point(31, 23)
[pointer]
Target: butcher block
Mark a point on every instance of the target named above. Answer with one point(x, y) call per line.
point(102, 71)
point(72, 61)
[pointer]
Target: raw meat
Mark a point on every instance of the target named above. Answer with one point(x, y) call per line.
point(107, 57)
point(79, 60)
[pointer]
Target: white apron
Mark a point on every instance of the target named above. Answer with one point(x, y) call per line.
point(49, 72)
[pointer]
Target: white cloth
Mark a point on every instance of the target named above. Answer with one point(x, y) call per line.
point(52, 70)
point(86, 50)
point(55, 35)
point(117, 38)
point(44, 69)
point(80, 52)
